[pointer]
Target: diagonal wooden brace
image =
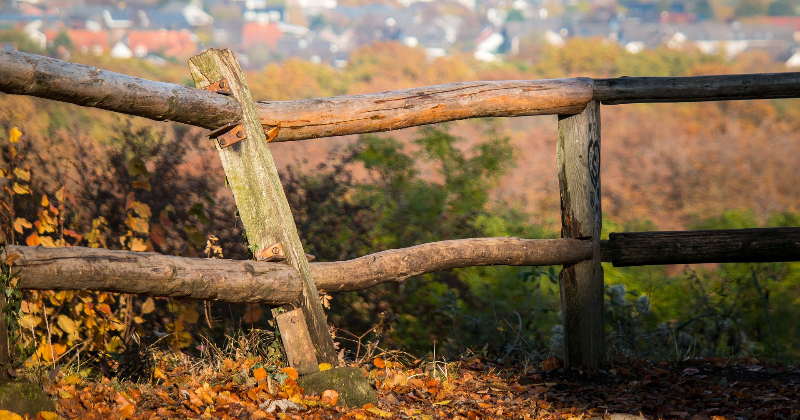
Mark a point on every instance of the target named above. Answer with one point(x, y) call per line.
point(264, 210)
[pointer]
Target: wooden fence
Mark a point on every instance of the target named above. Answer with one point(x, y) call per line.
point(282, 276)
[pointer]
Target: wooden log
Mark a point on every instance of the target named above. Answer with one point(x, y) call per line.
point(628, 90)
point(30, 74)
point(44, 77)
point(399, 264)
point(147, 273)
point(341, 115)
point(265, 214)
point(702, 246)
point(578, 157)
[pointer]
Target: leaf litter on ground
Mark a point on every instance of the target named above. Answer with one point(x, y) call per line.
point(472, 388)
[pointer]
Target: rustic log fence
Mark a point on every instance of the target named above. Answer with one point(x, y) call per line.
point(282, 276)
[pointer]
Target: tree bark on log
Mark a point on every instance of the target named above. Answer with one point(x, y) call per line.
point(79, 268)
point(629, 90)
point(34, 75)
point(702, 246)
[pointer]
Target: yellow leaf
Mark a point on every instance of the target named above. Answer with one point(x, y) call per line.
point(159, 374)
point(142, 185)
point(20, 223)
point(380, 413)
point(22, 174)
point(142, 209)
point(66, 324)
point(190, 315)
point(444, 402)
point(291, 373)
point(73, 379)
point(47, 415)
point(65, 394)
point(259, 374)
point(29, 321)
point(8, 415)
point(138, 224)
point(45, 201)
point(15, 135)
point(138, 245)
point(21, 189)
point(47, 241)
point(60, 194)
point(148, 306)
point(33, 239)
point(325, 366)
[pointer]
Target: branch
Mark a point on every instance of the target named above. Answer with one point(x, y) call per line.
point(79, 268)
point(34, 75)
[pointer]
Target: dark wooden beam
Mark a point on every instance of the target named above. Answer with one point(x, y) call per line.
point(629, 90)
point(702, 246)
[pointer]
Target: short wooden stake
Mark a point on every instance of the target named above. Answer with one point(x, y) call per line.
point(265, 212)
point(578, 156)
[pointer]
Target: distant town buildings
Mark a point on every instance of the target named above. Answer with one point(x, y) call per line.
point(326, 31)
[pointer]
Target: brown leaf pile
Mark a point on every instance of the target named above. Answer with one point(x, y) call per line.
point(713, 389)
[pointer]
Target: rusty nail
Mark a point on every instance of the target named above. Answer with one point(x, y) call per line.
point(294, 320)
point(223, 85)
point(275, 250)
point(222, 142)
point(240, 134)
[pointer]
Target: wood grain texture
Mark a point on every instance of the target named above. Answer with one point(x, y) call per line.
point(628, 90)
point(44, 77)
point(261, 201)
point(703, 246)
point(399, 264)
point(147, 273)
point(30, 74)
point(578, 158)
point(341, 115)
point(79, 268)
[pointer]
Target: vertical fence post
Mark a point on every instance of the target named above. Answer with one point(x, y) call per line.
point(265, 212)
point(578, 156)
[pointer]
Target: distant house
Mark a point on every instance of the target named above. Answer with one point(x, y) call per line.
point(120, 50)
point(255, 34)
point(85, 41)
point(182, 43)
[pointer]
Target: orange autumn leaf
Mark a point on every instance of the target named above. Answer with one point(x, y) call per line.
point(330, 396)
point(260, 374)
point(291, 373)
point(33, 239)
point(379, 363)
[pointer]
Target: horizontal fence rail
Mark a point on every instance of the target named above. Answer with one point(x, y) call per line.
point(629, 90)
point(34, 75)
point(702, 246)
point(44, 77)
point(79, 268)
point(238, 281)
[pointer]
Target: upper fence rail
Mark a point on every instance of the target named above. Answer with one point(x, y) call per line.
point(44, 77)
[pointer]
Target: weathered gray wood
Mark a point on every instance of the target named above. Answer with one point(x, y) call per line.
point(44, 77)
point(261, 201)
point(30, 74)
point(148, 273)
point(628, 90)
point(79, 268)
point(578, 157)
point(703, 246)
